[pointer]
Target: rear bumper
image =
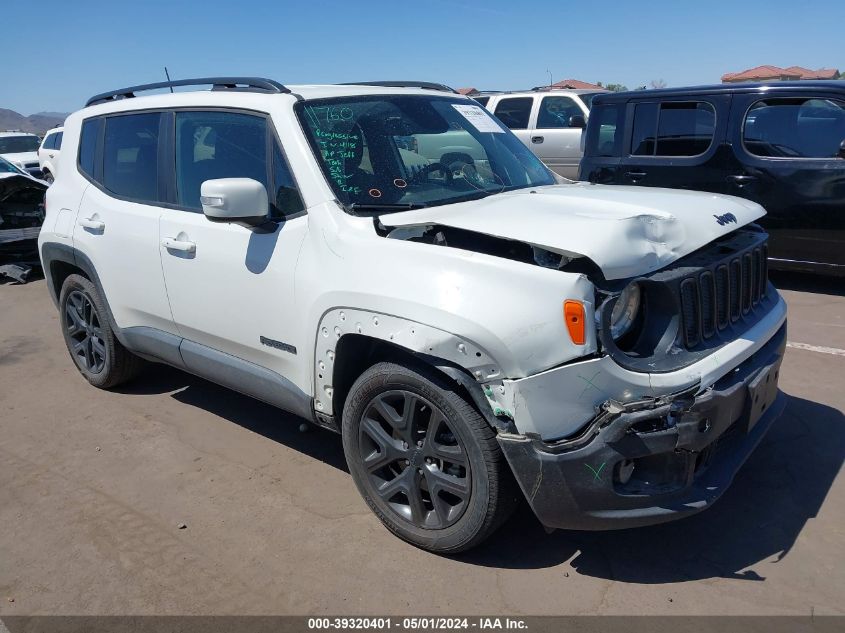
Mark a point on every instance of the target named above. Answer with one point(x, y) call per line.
point(652, 461)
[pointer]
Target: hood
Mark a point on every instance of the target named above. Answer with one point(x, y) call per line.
point(625, 231)
point(22, 158)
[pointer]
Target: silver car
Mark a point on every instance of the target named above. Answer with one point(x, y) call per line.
point(549, 122)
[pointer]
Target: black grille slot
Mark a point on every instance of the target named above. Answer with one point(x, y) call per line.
point(736, 288)
point(723, 297)
point(707, 297)
point(747, 276)
point(691, 311)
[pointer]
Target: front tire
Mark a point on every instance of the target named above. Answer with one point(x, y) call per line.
point(89, 338)
point(424, 459)
point(48, 178)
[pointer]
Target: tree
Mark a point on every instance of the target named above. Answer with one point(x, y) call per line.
point(842, 75)
point(658, 83)
point(616, 87)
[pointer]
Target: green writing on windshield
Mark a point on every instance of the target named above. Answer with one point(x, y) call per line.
point(338, 147)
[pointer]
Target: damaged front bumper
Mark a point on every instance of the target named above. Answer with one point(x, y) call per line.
point(653, 460)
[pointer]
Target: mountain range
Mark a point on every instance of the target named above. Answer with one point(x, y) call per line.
point(37, 123)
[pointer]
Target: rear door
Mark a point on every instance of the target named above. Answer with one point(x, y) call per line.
point(515, 113)
point(677, 142)
point(786, 157)
point(117, 223)
point(553, 139)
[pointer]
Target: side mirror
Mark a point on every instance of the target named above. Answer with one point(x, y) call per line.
point(577, 120)
point(842, 149)
point(234, 200)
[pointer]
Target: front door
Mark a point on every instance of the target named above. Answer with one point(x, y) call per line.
point(787, 158)
point(231, 287)
point(553, 139)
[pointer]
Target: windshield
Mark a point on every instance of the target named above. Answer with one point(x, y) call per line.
point(18, 144)
point(7, 167)
point(405, 151)
point(587, 98)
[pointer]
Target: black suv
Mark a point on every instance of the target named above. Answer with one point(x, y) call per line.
point(781, 145)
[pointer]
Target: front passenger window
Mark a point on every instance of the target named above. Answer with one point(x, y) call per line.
point(211, 145)
point(555, 112)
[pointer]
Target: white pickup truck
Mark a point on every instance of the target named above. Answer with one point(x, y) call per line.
point(390, 262)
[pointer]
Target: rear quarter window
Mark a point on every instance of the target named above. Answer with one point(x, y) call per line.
point(88, 146)
point(604, 133)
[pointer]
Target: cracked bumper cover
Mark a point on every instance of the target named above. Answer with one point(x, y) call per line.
point(655, 460)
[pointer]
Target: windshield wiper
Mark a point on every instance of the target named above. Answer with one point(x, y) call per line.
point(385, 207)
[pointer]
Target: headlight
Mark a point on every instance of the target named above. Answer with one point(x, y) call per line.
point(625, 311)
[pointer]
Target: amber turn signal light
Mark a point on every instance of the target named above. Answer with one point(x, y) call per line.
point(573, 314)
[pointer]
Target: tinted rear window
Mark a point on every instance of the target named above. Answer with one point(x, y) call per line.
point(515, 112)
point(130, 156)
point(795, 128)
point(673, 128)
point(604, 132)
point(482, 100)
point(88, 146)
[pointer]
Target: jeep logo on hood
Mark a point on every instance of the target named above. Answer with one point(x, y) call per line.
point(724, 219)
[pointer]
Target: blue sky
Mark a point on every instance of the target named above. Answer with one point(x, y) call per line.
point(57, 54)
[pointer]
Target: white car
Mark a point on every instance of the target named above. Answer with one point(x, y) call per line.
point(549, 122)
point(21, 149)
point(48, 154)
point(389, 262)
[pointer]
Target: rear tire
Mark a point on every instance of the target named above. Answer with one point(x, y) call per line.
point(89, 338)
point(424, 459)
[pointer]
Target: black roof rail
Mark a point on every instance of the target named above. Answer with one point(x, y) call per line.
point(428, 85)
point(246, 84)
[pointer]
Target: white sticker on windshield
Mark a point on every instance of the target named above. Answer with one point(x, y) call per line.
point(479, 118)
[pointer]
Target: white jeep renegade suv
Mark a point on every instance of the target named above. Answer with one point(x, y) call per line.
point(388, 261)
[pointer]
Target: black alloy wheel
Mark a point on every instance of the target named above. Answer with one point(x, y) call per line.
point(414, 459)
point(85, 334)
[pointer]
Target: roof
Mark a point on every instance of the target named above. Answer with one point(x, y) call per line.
point(576, 84)
point(254, 100)
point(467, 91)
point(16, 133)
point(775, 72)
point(726, 88)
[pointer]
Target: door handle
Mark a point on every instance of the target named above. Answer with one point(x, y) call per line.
point(537, 139)
point(50, 155)
point(94, 225)
point(636, 175)
point(741, 180)
point(172, 244)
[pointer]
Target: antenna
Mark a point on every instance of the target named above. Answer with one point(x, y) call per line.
point(167, 74)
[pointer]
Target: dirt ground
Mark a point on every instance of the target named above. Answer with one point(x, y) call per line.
point(94, 486)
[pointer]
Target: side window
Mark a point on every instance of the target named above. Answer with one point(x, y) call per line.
point(286, 198)
point(88, 146)
point(675, 128)
point(49, 142)
point(212, 145)
point(482, 100)
point(556, 111)
point(57, 142)
point(605, 130)
point(130, 156)
point(645, 129)
point(515, 112)
point(795, 128)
